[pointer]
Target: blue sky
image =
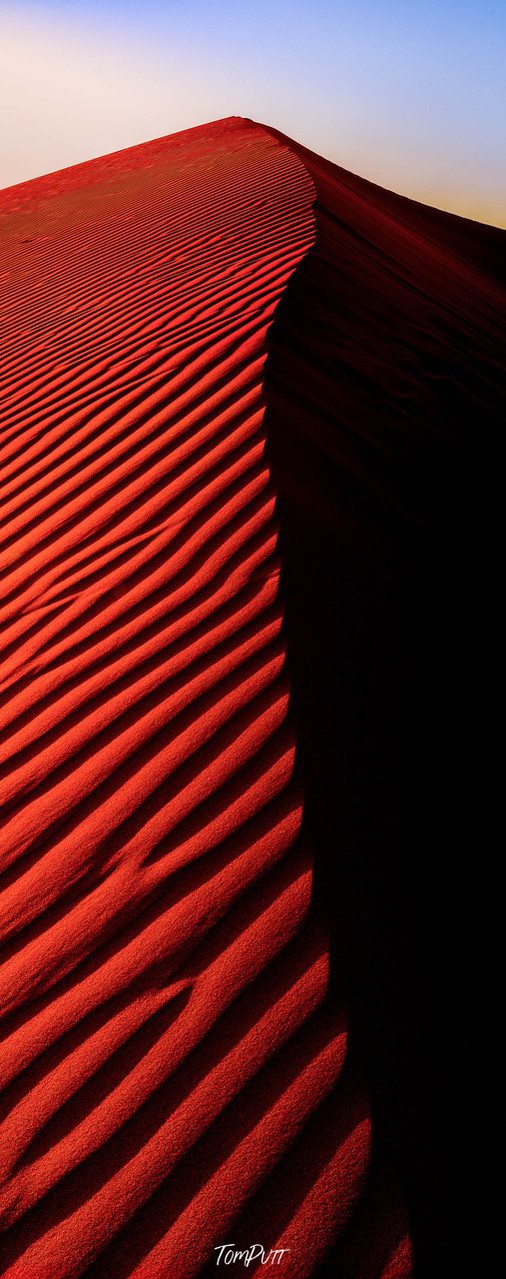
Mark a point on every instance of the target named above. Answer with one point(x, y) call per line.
point(410, 96)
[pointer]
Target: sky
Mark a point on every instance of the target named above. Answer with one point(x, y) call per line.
point(408, 94)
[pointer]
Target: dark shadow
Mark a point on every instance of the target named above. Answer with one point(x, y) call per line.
point(383, 367)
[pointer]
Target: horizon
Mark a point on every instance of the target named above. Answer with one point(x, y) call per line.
point(410, 102)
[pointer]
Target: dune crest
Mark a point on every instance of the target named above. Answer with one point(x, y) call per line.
point(169, 1052)
point(234, 386)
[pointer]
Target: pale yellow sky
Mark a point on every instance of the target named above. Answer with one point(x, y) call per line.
point(78, 82)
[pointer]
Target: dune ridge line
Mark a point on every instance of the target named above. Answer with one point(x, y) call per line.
point(170, 1059)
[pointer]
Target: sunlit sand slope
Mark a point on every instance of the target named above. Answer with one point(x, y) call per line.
point(170, 1059)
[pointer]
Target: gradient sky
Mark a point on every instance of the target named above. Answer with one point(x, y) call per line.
point(410, 95)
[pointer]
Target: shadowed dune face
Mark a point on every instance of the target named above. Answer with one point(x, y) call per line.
point(385, 390)
point(174, 1067)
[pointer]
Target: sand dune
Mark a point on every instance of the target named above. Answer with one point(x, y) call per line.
point(174, 1064)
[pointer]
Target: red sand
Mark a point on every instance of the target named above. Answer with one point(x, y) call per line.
point(171, 1056)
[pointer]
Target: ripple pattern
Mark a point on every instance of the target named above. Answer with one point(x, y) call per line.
point(170, 1062)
